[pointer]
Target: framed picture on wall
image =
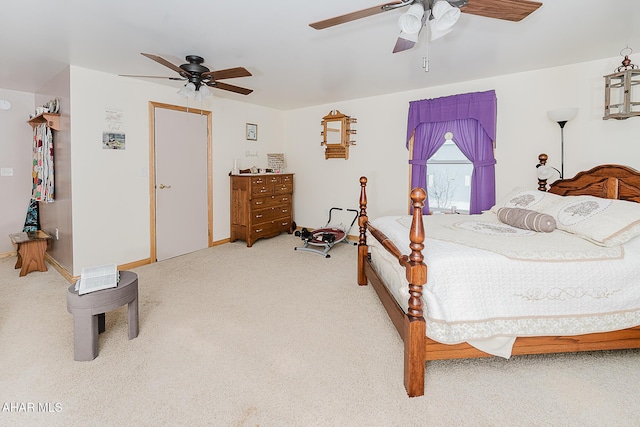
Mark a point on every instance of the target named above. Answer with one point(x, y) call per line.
point(252, 132)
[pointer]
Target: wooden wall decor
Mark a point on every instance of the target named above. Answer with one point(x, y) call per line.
point(336, 135)
point(50, 119)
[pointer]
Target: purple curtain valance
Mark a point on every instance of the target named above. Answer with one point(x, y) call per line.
point(481, 106)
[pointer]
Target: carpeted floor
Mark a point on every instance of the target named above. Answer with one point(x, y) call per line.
point(237, 336)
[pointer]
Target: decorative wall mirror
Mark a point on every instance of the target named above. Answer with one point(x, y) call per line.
point(336, 133)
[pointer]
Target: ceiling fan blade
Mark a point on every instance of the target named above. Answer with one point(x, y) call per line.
point(152, 77)
point(231, 88)
point(229, 73)
point(509, 10)
point(165, 63)
point(337, 20)
point(403, 43)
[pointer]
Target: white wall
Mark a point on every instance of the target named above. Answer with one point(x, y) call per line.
point(15, 152)
point(111, 213)
point(111, 199)
point(523, 132)
point(229, 143)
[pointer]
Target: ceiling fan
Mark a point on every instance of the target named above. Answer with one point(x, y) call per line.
point(199, 76)
point(441, 14)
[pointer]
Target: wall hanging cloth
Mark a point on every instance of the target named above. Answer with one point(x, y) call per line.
point(42, 164)
point(32, 222)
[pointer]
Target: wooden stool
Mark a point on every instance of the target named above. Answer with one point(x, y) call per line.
point(31, 248)
point(89, 313)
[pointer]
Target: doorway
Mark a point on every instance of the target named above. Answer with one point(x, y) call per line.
point(180, 179)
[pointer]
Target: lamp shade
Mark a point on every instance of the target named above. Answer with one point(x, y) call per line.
point(562, 114)
point(435, 32)
point(204, 91)
point(545, 172)
point(188, 91)
point(445, 15)
point(411, 21)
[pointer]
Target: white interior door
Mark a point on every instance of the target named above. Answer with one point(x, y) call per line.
point(181, 144)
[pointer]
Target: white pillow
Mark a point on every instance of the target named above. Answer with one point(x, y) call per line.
point(524, 198)
point(606, 222)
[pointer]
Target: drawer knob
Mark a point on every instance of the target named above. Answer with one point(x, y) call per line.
point(259, 216)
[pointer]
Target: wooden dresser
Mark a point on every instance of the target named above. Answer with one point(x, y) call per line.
point(261, 206)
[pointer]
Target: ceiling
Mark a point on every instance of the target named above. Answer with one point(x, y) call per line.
point(293, 65)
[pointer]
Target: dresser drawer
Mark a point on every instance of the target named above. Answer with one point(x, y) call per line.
point(262, 189)
point(283, 198)
point(269, 214)
point(284, 188)
point(258, 180)
point(270, 229)
point(263, 202)
point(282, 225)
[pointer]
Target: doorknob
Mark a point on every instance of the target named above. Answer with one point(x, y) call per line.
point(162, 186)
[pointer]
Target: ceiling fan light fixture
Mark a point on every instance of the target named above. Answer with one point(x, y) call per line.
point(435, 32)
point(204, 91)
point(444, 15)
point(411, 21)
point(188, 90)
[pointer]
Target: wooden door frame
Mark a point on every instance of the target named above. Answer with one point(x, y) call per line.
point(152, 172)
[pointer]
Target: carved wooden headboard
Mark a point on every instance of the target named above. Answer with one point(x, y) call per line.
point(606, 181)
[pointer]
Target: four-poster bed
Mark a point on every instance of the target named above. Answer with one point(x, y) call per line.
point(411, 317)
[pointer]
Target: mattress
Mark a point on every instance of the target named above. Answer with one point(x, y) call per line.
point(487, 298)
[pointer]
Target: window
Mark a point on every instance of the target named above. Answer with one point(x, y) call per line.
point(449, 178)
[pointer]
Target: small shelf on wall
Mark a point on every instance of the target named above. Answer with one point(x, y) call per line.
point(50, 119)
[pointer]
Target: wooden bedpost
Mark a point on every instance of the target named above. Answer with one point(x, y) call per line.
point(414, 325)
point(363, 249)
point(542, 183)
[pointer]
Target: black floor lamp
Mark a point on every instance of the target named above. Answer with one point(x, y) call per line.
point(562, 116)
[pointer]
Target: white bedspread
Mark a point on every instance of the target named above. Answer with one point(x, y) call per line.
point(487, 232)
point(487, 299)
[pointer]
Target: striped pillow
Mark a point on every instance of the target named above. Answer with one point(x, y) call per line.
point(526, 219)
